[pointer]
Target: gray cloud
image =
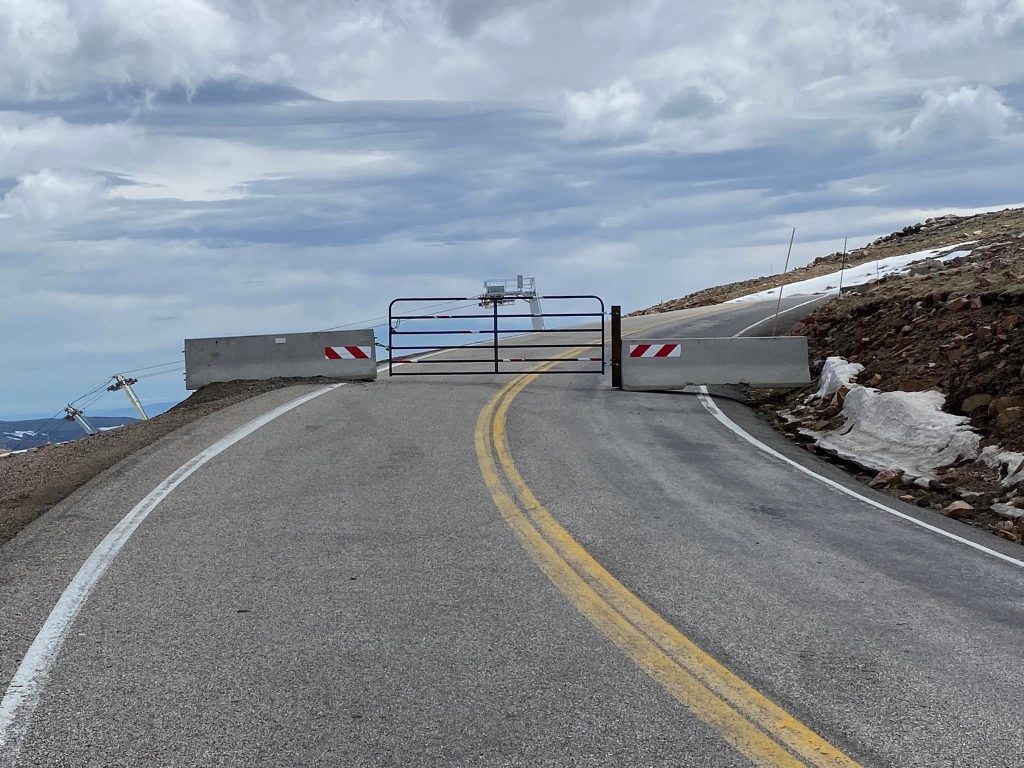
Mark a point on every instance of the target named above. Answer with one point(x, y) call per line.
point(225, 167)
point(690, 102)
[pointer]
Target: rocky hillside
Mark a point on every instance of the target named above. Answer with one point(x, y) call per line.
point(933, 233)
point(956, 327)
point(953, 327)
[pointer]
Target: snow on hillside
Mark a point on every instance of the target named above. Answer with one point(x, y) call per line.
point(858, 275)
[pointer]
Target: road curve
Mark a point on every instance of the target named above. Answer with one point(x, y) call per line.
point(349, 586)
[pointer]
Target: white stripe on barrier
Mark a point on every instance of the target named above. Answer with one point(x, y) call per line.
point(348, 353)
point(655, 350)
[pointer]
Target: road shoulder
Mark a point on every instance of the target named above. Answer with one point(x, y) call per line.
point(38, 563)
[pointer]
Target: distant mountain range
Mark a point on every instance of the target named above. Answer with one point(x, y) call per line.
point(20, 434)
point(30, 433)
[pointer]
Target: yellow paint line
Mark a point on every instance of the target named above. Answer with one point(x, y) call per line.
point(582, 579)
point(682, 685)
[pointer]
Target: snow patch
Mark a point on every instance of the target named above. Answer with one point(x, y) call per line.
point(836, 373)
point(1008, 511)
point(1009, 464)
point(907, 431)
point(867, 272)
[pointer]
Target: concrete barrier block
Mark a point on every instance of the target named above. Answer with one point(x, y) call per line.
point(342, 355)
point(676, 363)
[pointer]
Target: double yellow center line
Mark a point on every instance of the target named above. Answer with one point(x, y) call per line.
point(746, 719)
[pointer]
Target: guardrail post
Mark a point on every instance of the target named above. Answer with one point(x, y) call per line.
point(616, 346)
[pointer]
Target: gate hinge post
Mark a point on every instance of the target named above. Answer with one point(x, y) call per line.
point(616, 346)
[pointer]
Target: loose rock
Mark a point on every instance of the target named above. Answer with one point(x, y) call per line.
point(957, 509)
point(1007, 418)
point(886, 478)
point(974, 402)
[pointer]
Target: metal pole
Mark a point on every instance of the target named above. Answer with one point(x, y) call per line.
point(778, 304)
point(391, 339)
point(122, 382)
point(496, 337)
point(79, 417)
point(537, 312)
point(845, 239)
point(616, 346)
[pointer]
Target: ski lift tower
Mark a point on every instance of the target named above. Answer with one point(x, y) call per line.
point(500, 292)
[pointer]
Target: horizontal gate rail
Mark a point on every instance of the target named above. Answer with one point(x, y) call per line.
point(499, 336)
point(488, 372)
point(432, 361)
point(488, 316)
point(503, 346)
point(490, 332)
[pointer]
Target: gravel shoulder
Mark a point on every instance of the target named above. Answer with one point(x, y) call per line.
point(33, 482)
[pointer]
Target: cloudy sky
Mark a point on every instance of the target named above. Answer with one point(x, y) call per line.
point(179, 168)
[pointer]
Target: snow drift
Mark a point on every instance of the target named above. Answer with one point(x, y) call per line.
point(907, 431)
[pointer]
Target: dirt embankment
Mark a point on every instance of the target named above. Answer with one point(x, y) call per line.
point(32, 482)
point(933, 233)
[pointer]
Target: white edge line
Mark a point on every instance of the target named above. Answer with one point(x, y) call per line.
point(714, 410)
point(818, 297)
point(22, 695)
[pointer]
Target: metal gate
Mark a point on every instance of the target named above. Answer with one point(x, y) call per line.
point(496, 328)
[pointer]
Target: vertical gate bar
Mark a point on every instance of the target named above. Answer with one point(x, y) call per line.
point(603, 353)
point(616, 346)
point(391, 342)
point(496, 337)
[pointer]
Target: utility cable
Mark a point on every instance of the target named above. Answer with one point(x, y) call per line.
point(385, 317)
point(95, 399)
point(162, 373)
point(93, 391)
point(151, 367)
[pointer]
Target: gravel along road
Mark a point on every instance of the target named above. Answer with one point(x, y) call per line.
point(524, 571)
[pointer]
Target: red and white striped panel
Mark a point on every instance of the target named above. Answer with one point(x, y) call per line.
point(348, 353)
point(655, 350)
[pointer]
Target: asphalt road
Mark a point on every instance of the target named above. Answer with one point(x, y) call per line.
point(362, 583)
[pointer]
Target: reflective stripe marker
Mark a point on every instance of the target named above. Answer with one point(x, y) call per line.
point(348, 353)
point(655, 350)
